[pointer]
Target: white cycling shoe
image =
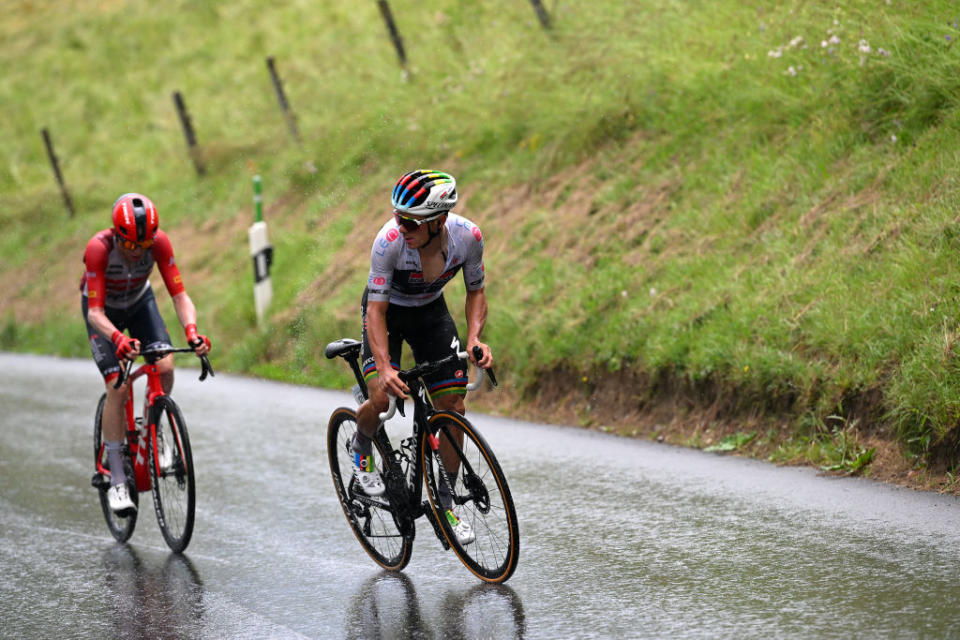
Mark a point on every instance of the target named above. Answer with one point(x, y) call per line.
point(118, 496)
point(369, 482)
point(461, 529)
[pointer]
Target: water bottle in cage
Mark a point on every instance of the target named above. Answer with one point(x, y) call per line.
point(358, 394)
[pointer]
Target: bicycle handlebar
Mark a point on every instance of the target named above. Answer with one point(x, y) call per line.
point(205, 367)
point(429, 367)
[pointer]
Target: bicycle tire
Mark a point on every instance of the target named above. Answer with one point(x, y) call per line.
point(121, 527)
point(376, 528)
point(483, 500)
point(173, 484)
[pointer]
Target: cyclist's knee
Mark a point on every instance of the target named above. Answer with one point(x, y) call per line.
point(165, 365)
point(115, 393)
point(452, 402)
point(377, 398)
point(165, 369)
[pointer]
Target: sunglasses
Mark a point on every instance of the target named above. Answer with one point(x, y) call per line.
point(412, 224)
point(133, 246)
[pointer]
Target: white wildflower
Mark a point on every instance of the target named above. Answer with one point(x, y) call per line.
point(653, 292)
point(824, 44)
point(775, 53)
point(883, 52)
point(796, 42)
point(623, 294)
point(791, 71)
point(893, 138)
point(864, 46)
point(834, 39)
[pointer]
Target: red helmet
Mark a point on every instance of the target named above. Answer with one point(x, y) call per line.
point(135, 219)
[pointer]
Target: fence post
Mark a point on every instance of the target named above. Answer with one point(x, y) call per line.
point(56, 171)
point(394, 33)
point(542, 14)
point(282, 99)
point(188, 133)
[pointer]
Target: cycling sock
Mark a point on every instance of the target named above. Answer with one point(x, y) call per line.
point(115, 462)
point(446, 494)
point(361, 444)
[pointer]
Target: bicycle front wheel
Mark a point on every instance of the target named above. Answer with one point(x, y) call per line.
point(371, 519)
point(121, 527)
point(171, 470)
point(480, 496)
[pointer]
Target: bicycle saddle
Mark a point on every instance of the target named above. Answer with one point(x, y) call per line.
point(344, 347)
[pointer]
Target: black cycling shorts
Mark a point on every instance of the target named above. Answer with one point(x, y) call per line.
point(431, 333)
point(144, 322)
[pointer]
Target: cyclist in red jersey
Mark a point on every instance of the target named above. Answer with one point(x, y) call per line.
point(117, 296)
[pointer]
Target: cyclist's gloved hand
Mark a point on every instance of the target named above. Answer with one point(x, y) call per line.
point(199, 342)
point(127, 347)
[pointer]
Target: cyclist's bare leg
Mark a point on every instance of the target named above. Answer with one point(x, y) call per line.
point(113, 422)
point(114, 428)
point(452, 402)
point(165, 369)
point(368, 415)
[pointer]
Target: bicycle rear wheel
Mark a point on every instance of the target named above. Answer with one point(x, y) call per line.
point(481, 498)
point(121, 527)
point(171, 470)
point(371, 519)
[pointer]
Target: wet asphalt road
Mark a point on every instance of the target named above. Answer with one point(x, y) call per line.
point(620, 538)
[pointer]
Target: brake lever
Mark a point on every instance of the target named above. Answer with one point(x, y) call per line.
point(477, 354)
point(124, 373)
point(206, 367)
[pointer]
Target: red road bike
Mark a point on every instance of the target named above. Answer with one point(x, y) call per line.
point(157, 456)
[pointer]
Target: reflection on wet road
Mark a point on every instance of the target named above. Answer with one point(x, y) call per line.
point(620, 538)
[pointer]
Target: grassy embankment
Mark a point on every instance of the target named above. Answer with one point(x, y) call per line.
point(740, 212)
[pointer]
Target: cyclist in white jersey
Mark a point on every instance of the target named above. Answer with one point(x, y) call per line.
point(414, 255)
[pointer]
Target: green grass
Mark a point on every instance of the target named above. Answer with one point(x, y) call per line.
point(754, 202)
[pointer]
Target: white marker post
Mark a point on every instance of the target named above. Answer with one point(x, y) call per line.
point(262, 253)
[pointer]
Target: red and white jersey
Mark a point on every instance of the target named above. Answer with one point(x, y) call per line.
point(110, 281)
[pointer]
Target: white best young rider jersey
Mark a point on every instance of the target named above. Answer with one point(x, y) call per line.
point(396, 275)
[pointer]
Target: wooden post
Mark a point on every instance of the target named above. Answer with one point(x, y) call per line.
point(56, 171)
point(542, 14)
point(282, 99)
point(188, 132)
point(394, 34)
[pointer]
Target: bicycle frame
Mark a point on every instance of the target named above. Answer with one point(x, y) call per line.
point(404, 487)
point(137, 428)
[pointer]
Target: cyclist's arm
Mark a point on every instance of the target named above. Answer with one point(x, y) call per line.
point(187, 314)
point(476, 310)
point(390, 382)
point(97, 318)
point(95, 259)
point(186, 311)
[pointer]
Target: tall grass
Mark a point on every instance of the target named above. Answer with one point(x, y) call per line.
point(755, 200)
